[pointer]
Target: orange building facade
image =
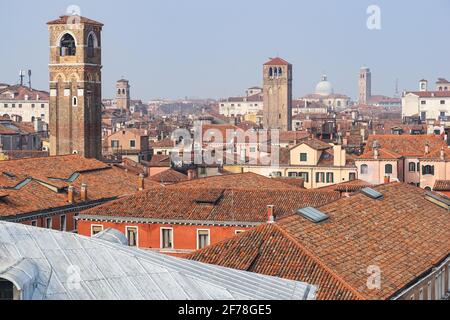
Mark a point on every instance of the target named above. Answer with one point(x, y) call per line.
point(182, 238)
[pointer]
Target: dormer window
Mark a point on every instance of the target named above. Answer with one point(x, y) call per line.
point(67, 46)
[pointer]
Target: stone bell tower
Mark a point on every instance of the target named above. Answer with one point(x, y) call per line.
point(75, 86)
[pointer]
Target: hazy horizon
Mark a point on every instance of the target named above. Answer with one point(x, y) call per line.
point(215, 49)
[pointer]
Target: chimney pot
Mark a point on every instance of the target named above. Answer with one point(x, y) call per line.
point(84, 195)
point(427, 148)
point(270, 214)
point(141, 182)
point(387, 179)
point(70, 195)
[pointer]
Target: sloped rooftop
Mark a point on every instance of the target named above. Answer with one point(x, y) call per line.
point(52, 265)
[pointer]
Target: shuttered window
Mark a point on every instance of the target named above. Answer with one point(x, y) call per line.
point(203, 239)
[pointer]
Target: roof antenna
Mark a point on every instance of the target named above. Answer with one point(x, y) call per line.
point(29, 78)
point(21, 75)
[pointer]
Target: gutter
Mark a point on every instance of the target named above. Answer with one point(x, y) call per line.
point(166, 221)
point(55, 211)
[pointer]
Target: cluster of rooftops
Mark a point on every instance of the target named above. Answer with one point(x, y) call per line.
point(320, 241)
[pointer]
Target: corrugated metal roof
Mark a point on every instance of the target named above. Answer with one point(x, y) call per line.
point(76, 267)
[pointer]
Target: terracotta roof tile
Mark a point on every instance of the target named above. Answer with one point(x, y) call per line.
point(403, 233)
point(195, 203)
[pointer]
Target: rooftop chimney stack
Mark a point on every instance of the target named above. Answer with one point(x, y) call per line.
point(442, 153)
point(376, 153)
point(70, 195)
point(84, 195)
point(427, 148)
point(141, 182)
point(270, 214)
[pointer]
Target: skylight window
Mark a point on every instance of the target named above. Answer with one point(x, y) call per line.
point(441, 201)
point(312, 214)
point(371, 193)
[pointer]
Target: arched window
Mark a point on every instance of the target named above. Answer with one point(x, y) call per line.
point(275, 72)
point(280, 72)
point(440, 88)
point(32, 119)
point(74, 101)
point(412, 167)
point(67, 46)
point(91, 46)
point(270, 72)
point(123, 91)
point(388, 169)
point(364, 169)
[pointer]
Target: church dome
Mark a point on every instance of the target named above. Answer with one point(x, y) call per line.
point(324, 87)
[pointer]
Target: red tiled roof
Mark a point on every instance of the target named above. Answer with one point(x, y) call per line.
point(169, 176)
point(211, 204)
point(442, 185)
point(64, 20)
point(236, 181)
point(50, 178)
point(395, 146)
point(276, 62)
point(431, 94)
point(403, 234)
point(269, 250)
point(21, 91)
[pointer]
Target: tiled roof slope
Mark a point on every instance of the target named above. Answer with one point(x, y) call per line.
point(403, 145)
point(38, 261)
point(269, 250)
point(237, 181)
point(65, 19)
point(50, 178)
point(211, 204)
point(403, 233)
point(169, 176)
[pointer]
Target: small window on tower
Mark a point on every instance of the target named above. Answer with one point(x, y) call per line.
point(91, 46)
point(270, 72)
point(74, 102)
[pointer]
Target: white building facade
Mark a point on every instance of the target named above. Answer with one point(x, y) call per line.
point(428, 105)
point(25, 104)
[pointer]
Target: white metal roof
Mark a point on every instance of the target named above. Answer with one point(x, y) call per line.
point(68, 266)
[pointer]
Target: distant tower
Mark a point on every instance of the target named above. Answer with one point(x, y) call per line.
point(123, 95)
point(277, 95)
point(423, 85)
point(75, 86)
point(365, 85)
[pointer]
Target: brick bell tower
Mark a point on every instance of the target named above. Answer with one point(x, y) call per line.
point(75, 86)
point(277, 81)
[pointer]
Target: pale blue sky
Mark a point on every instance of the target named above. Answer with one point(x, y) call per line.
point(212, 48)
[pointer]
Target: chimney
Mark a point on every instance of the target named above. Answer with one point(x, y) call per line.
point(387, 179)
point(442, 153)
point(70, 195)
point(191, 174)
point(427, 148)
point(141, 182)
point(270, 214)
point(84, 195)
point(376, 153)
